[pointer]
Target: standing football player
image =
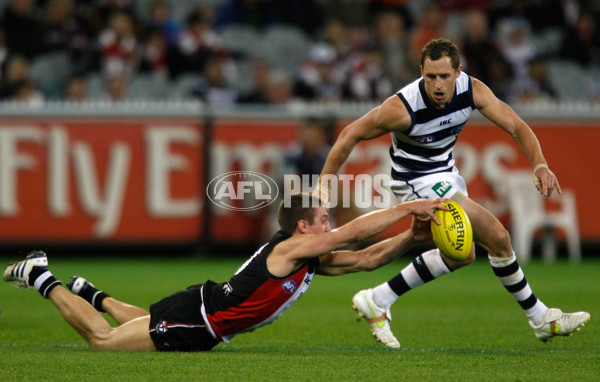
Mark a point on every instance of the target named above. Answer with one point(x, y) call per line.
point(424, 119)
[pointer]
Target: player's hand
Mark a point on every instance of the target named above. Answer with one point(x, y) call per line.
point(424, 208)
point(545, 181)
point(421, 229)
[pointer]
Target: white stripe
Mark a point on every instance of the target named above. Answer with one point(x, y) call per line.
point(434, 263)
point(523, 294)
point(203, 312)
point(411, 276)
point(40, 280)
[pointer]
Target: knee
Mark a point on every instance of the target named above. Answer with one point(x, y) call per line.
point(99, 342)
point(500, 241)
point(456, 264)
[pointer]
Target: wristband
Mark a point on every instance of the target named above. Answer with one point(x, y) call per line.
point(542, 165)
point(536, 180)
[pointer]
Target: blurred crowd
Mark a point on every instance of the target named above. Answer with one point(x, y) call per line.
point(231, 52)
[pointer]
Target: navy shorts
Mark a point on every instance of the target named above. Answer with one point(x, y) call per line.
point(176, 323)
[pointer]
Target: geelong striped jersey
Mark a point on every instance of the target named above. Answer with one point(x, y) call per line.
point(426, 147)
point(253, 297)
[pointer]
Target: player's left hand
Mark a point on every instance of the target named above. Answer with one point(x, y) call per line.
point(421, 229)
point(545, 181)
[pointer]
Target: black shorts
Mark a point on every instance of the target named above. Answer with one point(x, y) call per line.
point(176, 323)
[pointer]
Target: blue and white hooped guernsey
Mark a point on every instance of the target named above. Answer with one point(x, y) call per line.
point(426, 148)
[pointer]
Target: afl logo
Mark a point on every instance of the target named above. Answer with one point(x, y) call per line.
point(289, 286)
point(242, 190)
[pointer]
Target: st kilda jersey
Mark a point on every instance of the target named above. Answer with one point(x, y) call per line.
point(253, 297)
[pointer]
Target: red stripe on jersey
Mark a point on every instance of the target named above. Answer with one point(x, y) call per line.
point(259, 306)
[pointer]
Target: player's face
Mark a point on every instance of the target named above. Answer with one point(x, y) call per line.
point(440, 80)
point(320, 223)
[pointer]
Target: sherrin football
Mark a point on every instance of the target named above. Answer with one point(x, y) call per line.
point(454, 236)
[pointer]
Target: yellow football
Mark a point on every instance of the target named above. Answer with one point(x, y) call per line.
point(454, 236)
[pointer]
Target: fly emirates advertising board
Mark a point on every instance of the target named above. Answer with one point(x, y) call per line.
point(137, 180)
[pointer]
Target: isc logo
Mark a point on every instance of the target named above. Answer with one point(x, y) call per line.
point(242, 190)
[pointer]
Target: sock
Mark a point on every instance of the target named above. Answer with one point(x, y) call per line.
point(43, 281)
point(93, 296)
point(424, 268)
point(512, 277)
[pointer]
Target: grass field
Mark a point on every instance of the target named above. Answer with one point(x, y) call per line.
point(464, 326)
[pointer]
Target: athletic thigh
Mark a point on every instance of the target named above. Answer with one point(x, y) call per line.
point(488, 231)
point(132, 335)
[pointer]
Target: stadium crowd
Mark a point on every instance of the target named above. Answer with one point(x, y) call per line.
point(230, 52)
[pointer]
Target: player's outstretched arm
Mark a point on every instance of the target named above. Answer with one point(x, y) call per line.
point(389, 116)
point(505, 117)
point(305, 246)
point(376, 255)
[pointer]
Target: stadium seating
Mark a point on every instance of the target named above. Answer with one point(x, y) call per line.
point(528, 214)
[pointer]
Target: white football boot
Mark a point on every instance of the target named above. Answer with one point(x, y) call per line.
point(18, 272)
point(379, 319)
point(557, 323)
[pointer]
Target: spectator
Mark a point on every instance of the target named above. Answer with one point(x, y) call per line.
point(307, 156)
point(159, 17)
point(62, 32)
point(254, 13)
point(154, 53)
point(430, 25)
point(116, 88)
point(4, 55)
point(349, 12)
point(320, 78)
point(214, 88)
point(105, 9)
point(17, 74)
point(582, 41)
point(261, 73)
point(196, 43)
point(280, 88)
point(304, 14)
point(65, 36)
point(335, 33)
point(478, 47)
point(272, 86)
point(119, 44)
point(501, 79)
point(27, 91)
point(23, 28)
point(391, 36)
point(536, 86)
point(76, 89)
point(516, 46)
point(366, 79)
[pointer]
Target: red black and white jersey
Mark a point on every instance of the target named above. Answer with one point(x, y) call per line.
point(253, 297)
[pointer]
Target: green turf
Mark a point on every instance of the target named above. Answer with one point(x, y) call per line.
point(464, 326)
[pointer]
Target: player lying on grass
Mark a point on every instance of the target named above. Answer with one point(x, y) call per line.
point(268, 283)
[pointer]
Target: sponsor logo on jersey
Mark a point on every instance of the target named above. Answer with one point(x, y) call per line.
point(289, 286)
point(457, 129)
point(442, 188)
point(227, 289)
point(425, 139)
point(242, 190)
point(161, 327)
